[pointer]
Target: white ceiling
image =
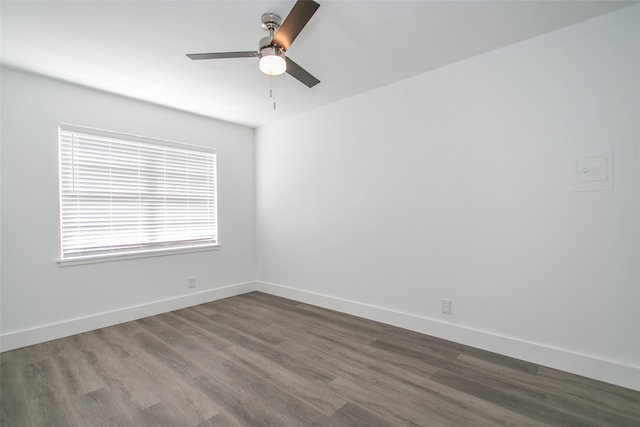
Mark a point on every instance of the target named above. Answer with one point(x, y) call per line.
point(137, 48)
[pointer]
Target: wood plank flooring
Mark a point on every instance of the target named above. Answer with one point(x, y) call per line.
point(260, 360)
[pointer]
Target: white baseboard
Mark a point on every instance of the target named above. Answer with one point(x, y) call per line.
point(581, 364)
point(39, 334)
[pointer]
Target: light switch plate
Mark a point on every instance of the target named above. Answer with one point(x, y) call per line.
point(592, 168)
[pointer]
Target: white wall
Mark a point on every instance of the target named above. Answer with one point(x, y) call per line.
point(41, 300)
point(457, 183)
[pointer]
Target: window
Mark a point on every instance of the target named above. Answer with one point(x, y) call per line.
point(121, 194)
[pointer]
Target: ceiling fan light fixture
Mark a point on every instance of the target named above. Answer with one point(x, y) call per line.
point(271, 49)
point(272, 61)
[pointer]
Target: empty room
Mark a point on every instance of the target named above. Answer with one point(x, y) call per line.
point(298, 212)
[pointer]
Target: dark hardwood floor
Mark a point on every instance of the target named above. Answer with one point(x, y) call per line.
point(256, 360)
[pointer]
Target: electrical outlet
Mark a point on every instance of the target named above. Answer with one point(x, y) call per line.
point(445, 305)
point(192, 282)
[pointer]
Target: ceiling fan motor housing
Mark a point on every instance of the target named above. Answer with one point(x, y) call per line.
point(267, 43)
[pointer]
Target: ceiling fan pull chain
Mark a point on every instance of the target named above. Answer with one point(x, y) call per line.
point(271, 92)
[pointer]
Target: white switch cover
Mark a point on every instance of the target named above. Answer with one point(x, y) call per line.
point(593, 168)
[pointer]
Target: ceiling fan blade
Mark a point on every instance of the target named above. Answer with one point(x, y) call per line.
point(221, 55)
point(299, 73)
point(301, 13)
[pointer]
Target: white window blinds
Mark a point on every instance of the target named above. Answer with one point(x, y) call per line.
point(121, 194)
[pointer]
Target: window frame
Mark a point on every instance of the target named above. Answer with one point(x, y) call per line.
point(150, 250)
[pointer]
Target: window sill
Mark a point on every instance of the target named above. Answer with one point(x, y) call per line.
point(133, 255)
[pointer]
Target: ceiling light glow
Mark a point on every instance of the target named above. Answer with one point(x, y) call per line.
point(272, 61)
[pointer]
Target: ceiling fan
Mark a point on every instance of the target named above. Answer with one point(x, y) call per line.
point(271, 49)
